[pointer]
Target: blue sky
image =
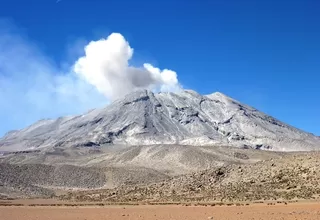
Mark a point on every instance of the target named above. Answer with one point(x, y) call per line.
point(263, 53)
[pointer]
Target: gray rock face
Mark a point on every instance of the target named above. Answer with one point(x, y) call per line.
point(184, 118)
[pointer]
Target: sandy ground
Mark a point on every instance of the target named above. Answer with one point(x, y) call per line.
point(253, 212)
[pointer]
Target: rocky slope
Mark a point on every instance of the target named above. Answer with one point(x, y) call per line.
point(39, 180)
point(43, 173)
point(168, 159)
point(292, 177)
point(145, 118)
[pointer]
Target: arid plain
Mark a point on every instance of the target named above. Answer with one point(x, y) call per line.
point(294, 211)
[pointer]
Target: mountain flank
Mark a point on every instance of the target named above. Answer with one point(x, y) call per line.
point(146, 118)
point(161, 147)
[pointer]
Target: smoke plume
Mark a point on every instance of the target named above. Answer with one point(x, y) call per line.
point(106, 66)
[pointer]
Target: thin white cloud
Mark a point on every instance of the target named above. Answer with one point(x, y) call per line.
point(32, 87)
